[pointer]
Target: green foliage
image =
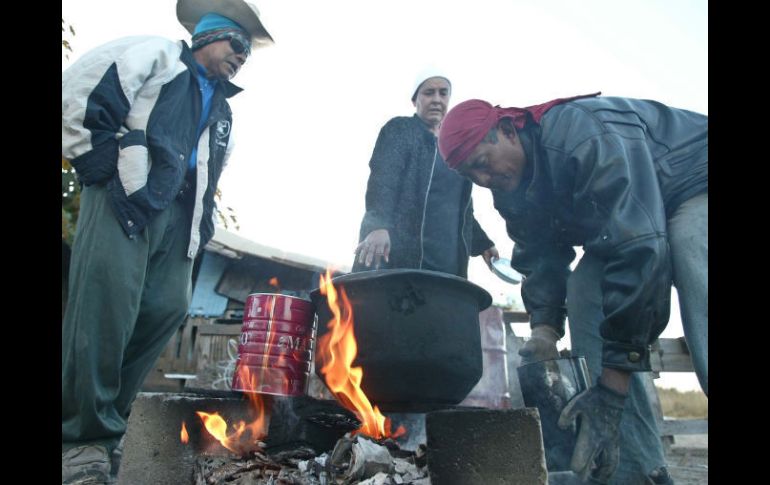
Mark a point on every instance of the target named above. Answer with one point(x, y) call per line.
point(227, 216)
point(677, 404)
point(70, 189)
point(70, 201)
point(66, 29)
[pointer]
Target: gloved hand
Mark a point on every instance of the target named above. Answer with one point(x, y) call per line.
point(542, 345)
point(597, 446)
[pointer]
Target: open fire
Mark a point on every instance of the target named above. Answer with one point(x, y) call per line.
point(337, 349)
point(243, 438)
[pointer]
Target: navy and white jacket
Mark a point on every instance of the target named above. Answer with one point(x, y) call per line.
point(130, 112)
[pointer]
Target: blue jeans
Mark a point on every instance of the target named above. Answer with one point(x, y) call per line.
point(641, 449)
point(688, 233)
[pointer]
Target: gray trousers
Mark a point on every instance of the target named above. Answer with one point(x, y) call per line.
point(641, 449)
point(126, 299)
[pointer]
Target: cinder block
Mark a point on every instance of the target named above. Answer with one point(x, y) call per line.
point(153, 452)
point(485, 447)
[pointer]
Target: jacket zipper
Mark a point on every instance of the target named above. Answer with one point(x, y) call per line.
point(425, 205)
point(462, 228)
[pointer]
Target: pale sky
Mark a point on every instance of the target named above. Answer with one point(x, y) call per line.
point(312, 106)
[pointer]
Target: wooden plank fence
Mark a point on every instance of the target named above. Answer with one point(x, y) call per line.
point(200, 353)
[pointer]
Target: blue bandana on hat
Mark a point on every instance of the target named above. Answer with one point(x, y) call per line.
point(213, 27)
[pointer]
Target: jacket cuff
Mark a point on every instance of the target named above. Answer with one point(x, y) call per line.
point(133, 138)
point(98, 164)
point(479, 248)
point(625, 356)
point(553, 317)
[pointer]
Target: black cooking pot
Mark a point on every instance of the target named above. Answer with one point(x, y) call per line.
point(418, 335)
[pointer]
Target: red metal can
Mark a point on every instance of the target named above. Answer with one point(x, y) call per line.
point(278, 326)
point(274, 362)
point(277, 338)
point(276, 345)
point(265, 380)
point(273, 306)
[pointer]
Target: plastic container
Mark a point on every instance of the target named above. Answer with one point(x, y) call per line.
point(491, 391)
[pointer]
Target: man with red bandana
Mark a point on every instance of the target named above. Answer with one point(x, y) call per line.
point(627, 180)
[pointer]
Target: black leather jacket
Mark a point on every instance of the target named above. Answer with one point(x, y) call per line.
point(605, 173)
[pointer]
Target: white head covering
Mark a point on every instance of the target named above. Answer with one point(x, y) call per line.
point(426, 74)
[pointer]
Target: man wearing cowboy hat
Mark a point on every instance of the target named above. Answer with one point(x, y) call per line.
point(146, 125)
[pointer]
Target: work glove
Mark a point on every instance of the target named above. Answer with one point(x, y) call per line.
point(597, 445)
point(541, 346)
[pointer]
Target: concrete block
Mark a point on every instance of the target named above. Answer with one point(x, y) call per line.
point(485, 447)
point(153, 452)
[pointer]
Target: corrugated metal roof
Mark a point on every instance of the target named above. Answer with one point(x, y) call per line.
point(232, 245)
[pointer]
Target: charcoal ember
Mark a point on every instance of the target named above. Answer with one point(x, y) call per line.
point(216, 470)
point(293, 456)
point(421, 455)
point(395, 449)
point(338, 421)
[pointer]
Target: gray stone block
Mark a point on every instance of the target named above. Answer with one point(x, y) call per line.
point(153, 452)
point(485, 447)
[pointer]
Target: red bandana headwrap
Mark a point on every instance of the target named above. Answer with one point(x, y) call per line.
point(468, 123)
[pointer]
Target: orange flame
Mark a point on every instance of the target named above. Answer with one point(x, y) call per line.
point(184, 436)
point(235, 441)
point(337, 350)
point(239, 441)
point(258, 427)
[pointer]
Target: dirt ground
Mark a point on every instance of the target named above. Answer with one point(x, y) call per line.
point(688, 459)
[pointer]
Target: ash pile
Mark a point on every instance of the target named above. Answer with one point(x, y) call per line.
point(355, 459)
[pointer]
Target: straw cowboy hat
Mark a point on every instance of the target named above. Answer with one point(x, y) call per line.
point(189, 12)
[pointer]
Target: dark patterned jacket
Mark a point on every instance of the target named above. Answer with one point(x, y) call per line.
point(402, 166)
